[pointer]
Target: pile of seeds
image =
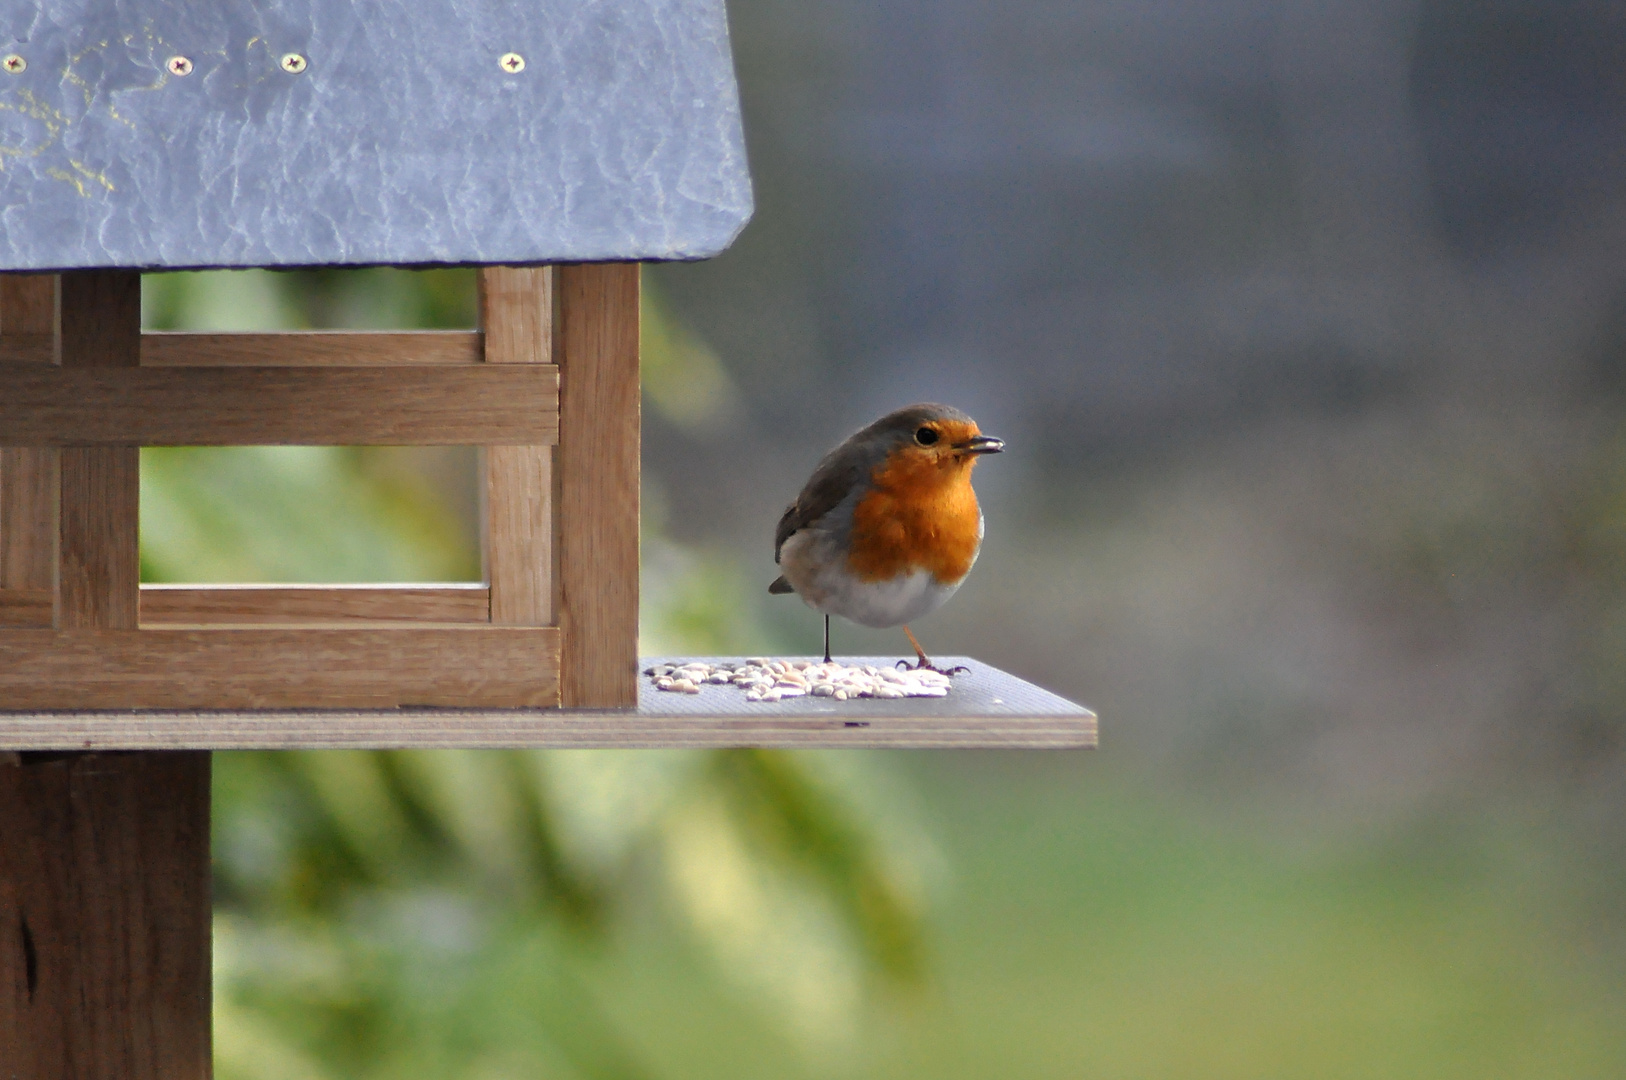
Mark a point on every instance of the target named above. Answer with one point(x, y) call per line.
point(775, 680)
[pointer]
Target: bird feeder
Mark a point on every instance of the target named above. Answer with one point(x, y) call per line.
point(555, 146)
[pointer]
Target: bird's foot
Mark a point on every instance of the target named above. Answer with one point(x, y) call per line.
point(923, 664)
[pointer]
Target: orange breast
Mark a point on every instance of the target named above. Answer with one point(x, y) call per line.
point(921, 514)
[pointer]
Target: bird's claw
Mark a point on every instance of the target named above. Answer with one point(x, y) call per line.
point(924, 664)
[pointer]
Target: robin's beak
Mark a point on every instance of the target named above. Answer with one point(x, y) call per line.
point(981, 444)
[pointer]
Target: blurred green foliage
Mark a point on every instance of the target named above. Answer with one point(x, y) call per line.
point(415, 913)
point(420, 914)
point(296, 513)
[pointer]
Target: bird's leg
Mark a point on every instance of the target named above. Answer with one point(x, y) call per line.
point(923, 663)
point(827, 639)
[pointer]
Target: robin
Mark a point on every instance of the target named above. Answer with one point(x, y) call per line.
point(888, 526)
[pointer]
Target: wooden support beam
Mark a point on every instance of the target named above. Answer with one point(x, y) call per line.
point(516, 313)
point(267, 604)
point(596, 348)
point(99, 539)
point(104, 916)
point(98, 569)
point(28, 475)
point(223, 667)
point(286, 348)
point(303, 406)
point(311, 348)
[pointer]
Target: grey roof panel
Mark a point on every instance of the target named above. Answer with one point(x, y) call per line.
point(403, 140)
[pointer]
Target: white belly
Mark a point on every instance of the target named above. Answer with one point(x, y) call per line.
point(891, 603)
point(826, 585)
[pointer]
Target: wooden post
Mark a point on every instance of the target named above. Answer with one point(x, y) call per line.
point(99, 575)
point(516, 313)
point(596, 465)
point(28, 477)
point(104, 916)
point(104, 858)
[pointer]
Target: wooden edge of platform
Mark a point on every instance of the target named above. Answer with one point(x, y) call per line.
point(542, 728)
point(998, 711)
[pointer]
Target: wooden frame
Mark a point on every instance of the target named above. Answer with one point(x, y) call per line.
point(104, 916)
point(548, 388)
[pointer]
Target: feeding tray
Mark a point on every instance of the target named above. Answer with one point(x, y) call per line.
point(986, 708)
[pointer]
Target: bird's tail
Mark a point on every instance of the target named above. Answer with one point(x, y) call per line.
point(780, 585)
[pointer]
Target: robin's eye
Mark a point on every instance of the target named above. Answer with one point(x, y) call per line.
point(926, 436)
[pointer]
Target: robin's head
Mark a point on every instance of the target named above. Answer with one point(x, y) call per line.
point(938, 436)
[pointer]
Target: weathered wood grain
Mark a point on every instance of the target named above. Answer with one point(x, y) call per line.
point(29, 483)
point(266, 604)
point(518, 527)
point(100, 568)
point(25, 607)
point(516, 313)
point(288, 348)
point(280, 667)
point(98, 560)
point(28, 475)
point(596, 481)
point(28, 310)
point(310, 406)
point(311, 348)
point(27, 348)
point(104, 917)
point(314, 604)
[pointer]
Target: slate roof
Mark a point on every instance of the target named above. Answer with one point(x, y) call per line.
point(356, 132)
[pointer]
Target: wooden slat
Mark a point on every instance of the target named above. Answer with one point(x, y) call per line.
point(98, 571)
point(291, 348)
point(309, 348)
point(28, 475)
point(272, 667)
point(518, 522)
point(29, 481)
point(596, 348)
point(516, 313)
point(105, 917)
point(262, 604)
point(25, 607)
point(312, 406)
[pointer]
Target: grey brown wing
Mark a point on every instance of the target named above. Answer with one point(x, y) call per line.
point(830, 483)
